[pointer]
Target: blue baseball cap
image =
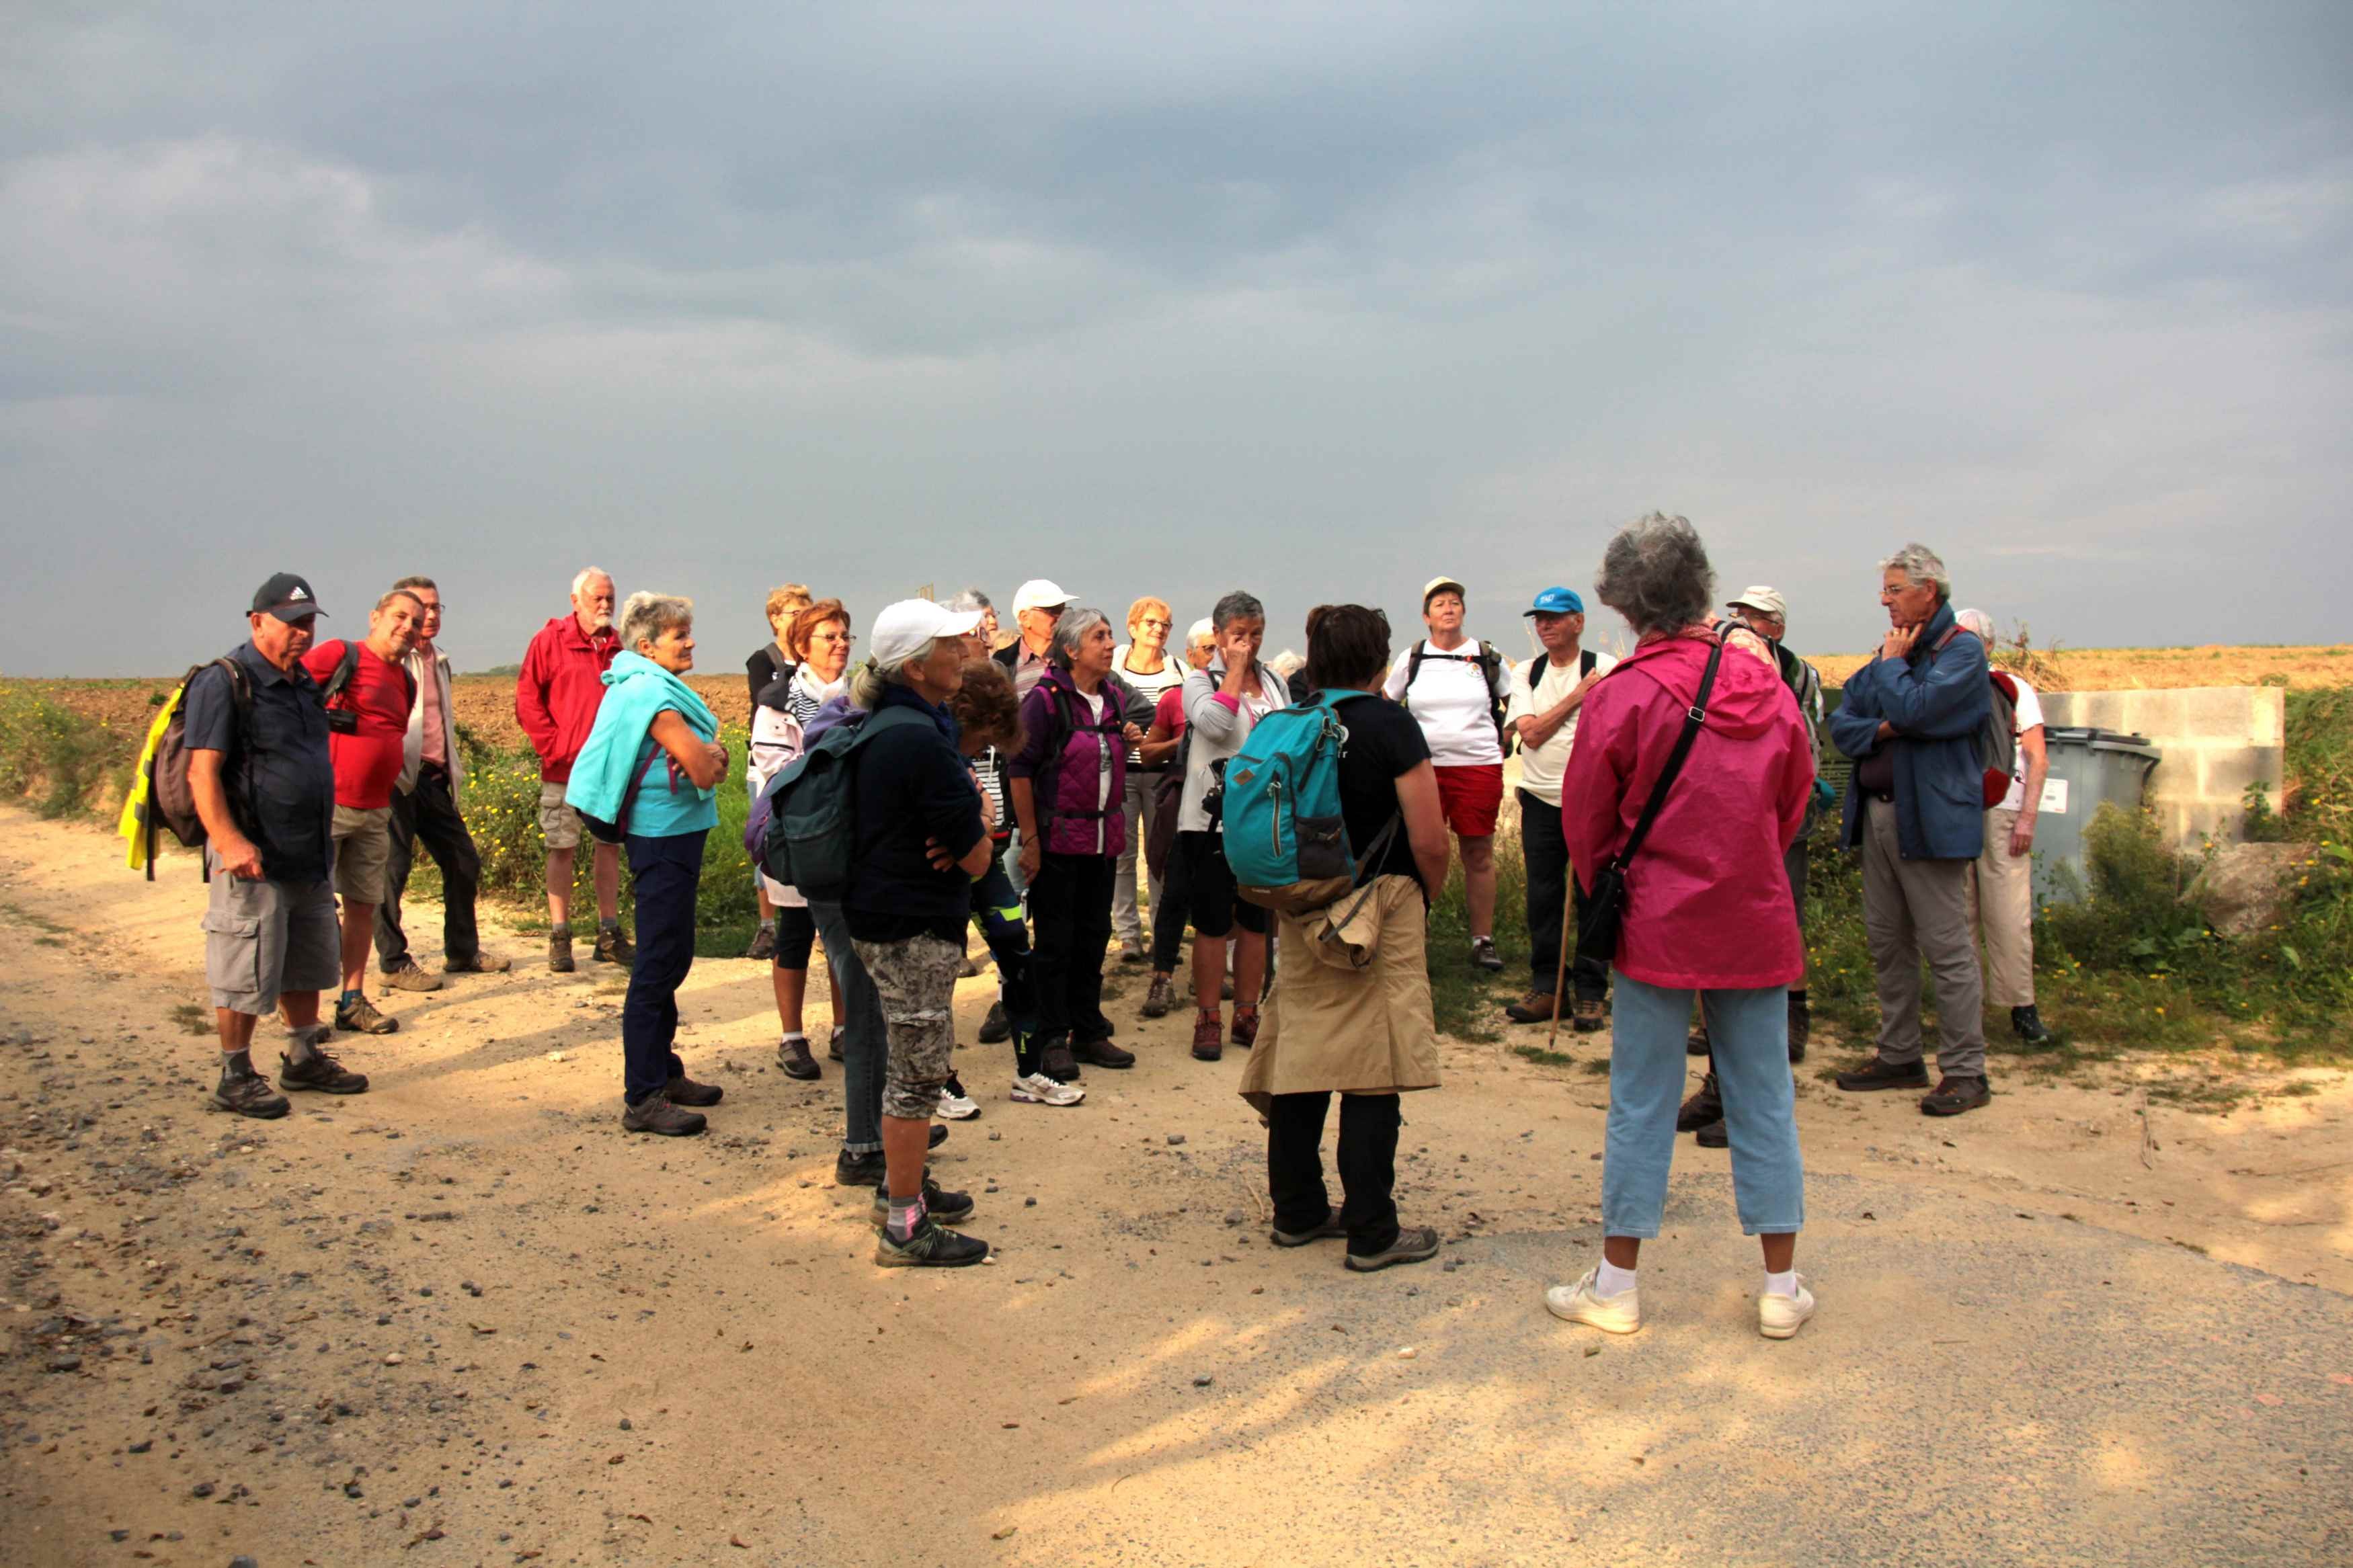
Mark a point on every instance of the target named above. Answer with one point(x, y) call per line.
point(1556, 601)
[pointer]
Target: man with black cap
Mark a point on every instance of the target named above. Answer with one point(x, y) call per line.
point(1546, 693)
point(265, 788)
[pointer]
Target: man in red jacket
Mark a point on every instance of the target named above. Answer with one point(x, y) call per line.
point(556, 698)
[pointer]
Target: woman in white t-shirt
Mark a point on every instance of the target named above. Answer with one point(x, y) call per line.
point(2001, 883)
point(1455, 688)
point(1144, 664)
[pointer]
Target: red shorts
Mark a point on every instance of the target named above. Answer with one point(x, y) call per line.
point(1471, 795)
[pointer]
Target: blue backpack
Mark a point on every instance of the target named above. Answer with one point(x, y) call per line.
point(1284, 836)
point(805, 815)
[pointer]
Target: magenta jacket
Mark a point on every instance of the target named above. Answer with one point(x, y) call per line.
point(1068, 777)
point(1707, 899)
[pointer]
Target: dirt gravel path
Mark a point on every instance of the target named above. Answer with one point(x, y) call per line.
point(465, 1318)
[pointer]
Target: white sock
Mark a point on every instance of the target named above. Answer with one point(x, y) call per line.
point(1782, 1284)
point(1612, 1281)
point(796, 1034)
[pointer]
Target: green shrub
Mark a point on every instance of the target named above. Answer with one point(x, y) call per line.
point(63, 760)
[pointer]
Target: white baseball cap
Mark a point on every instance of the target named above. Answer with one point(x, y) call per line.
point(1430, 588)
point(902, 630)
point(1040, 593)
point(1760, 597)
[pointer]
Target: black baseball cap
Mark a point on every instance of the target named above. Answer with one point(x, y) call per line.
point(286, 598)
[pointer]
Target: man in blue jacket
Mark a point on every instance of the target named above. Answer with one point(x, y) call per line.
point(1916, 806)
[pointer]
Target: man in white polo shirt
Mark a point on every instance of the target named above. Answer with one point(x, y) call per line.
point(1546, 693)
point(2001, 887)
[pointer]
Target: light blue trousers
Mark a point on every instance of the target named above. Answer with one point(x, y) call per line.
point(1750, 1030)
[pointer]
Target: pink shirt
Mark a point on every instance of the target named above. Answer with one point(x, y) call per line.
point(436, 738)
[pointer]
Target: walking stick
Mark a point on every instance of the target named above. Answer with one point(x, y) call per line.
point(1560, 972)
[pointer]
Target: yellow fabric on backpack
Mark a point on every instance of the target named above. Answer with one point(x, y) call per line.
point(133, 824)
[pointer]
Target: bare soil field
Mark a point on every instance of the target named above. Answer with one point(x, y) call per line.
point(465, 1318)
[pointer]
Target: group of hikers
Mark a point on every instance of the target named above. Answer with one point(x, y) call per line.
point(1052, 785)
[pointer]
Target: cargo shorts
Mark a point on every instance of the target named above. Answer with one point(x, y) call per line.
point(264, 939)
point(558, 822)
point(362, 852)
point(916, 982)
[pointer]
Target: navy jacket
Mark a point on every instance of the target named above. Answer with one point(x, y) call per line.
point(1937, 700)
point(911, 786)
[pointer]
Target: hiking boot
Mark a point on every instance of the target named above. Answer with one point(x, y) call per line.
point(939, 1135)
point(793, 1056)
point(1057, 1063)
point(1330, 1228)
point(559, 950)
point(1245, 1033)
point(1415, 1244)
point(763, 945)
point(997, 1028)
point(319, 1071)
point(1133, 952)
point(1880, 1073)
point(1484, 956)
point(684, 1091)
point(932, 1246)
point(614, 946)
point(1780, 1317)
point(2027, 1024)
point(967, 969)
point(953, 1103)
point(1587, 1014)
point(1702, 1108)
point(1037, 1089)
point(948, 1207)
point(857, 1170)
point(1695, 1043)
point(1536, 1008)
point(410, 975)
point(1160, 997)
point(250, 1094)
point(1954, 1095)
point(478, 963)
point(1714, 1135)
point(1802, 1027)
point(655, 1113)
point(1102, 1054)
point(1208, 1036)
point(1580, 1303)
point(359, 1017)
point(833, 1042)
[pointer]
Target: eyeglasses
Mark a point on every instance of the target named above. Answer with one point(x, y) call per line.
point(823, 634)
point(1148, 621)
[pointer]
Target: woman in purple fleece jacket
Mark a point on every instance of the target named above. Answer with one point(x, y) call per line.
point(1067, 782)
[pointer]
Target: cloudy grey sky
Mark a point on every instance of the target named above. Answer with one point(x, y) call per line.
point(1317, 300)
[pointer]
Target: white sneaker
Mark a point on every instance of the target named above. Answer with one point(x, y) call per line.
point(1780, 1317)
point(1037, 1089)
point(955, 1104)
point(1579, 1303)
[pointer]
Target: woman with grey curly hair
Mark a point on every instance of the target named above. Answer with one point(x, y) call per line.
point(1706, 913)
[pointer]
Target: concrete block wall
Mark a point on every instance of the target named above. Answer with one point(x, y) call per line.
point(2216, 739)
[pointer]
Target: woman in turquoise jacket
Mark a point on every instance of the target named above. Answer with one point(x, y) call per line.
point(648, 767)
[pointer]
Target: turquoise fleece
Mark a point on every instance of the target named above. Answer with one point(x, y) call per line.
point(636, 691)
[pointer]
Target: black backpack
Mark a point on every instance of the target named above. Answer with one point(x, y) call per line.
point(171, 803)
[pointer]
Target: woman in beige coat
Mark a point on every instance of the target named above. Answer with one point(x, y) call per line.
point(1352, 1012)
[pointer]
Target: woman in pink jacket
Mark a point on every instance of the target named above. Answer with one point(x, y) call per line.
point(1707, 910)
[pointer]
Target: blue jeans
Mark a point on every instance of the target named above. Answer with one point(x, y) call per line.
point(665, 873)
point(1750, 1031)
point(865, 1049)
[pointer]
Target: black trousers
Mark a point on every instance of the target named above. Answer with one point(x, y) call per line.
point(1366, 1157)
point(1171, 914)
point(1069, 925)
point(1544, 850)
point(428, 814)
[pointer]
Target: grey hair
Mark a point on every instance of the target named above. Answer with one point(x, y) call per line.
point(1655, 573)
point(1978, 622)
point(1071, 628)
point(402, 593)
point(646, 616)
point(1204, 627)
point(580, 581)
point(1235, 606)
point(868, 678)
point(1287, 663)
point(1921, 564)
point(968, 601)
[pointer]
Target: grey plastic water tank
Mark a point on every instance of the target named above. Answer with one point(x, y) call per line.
point(2088, 768)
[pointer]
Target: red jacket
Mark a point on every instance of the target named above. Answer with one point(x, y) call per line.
point(1707, 899)
point(556, 695)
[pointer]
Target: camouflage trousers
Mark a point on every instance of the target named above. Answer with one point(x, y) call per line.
point(916, 982)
